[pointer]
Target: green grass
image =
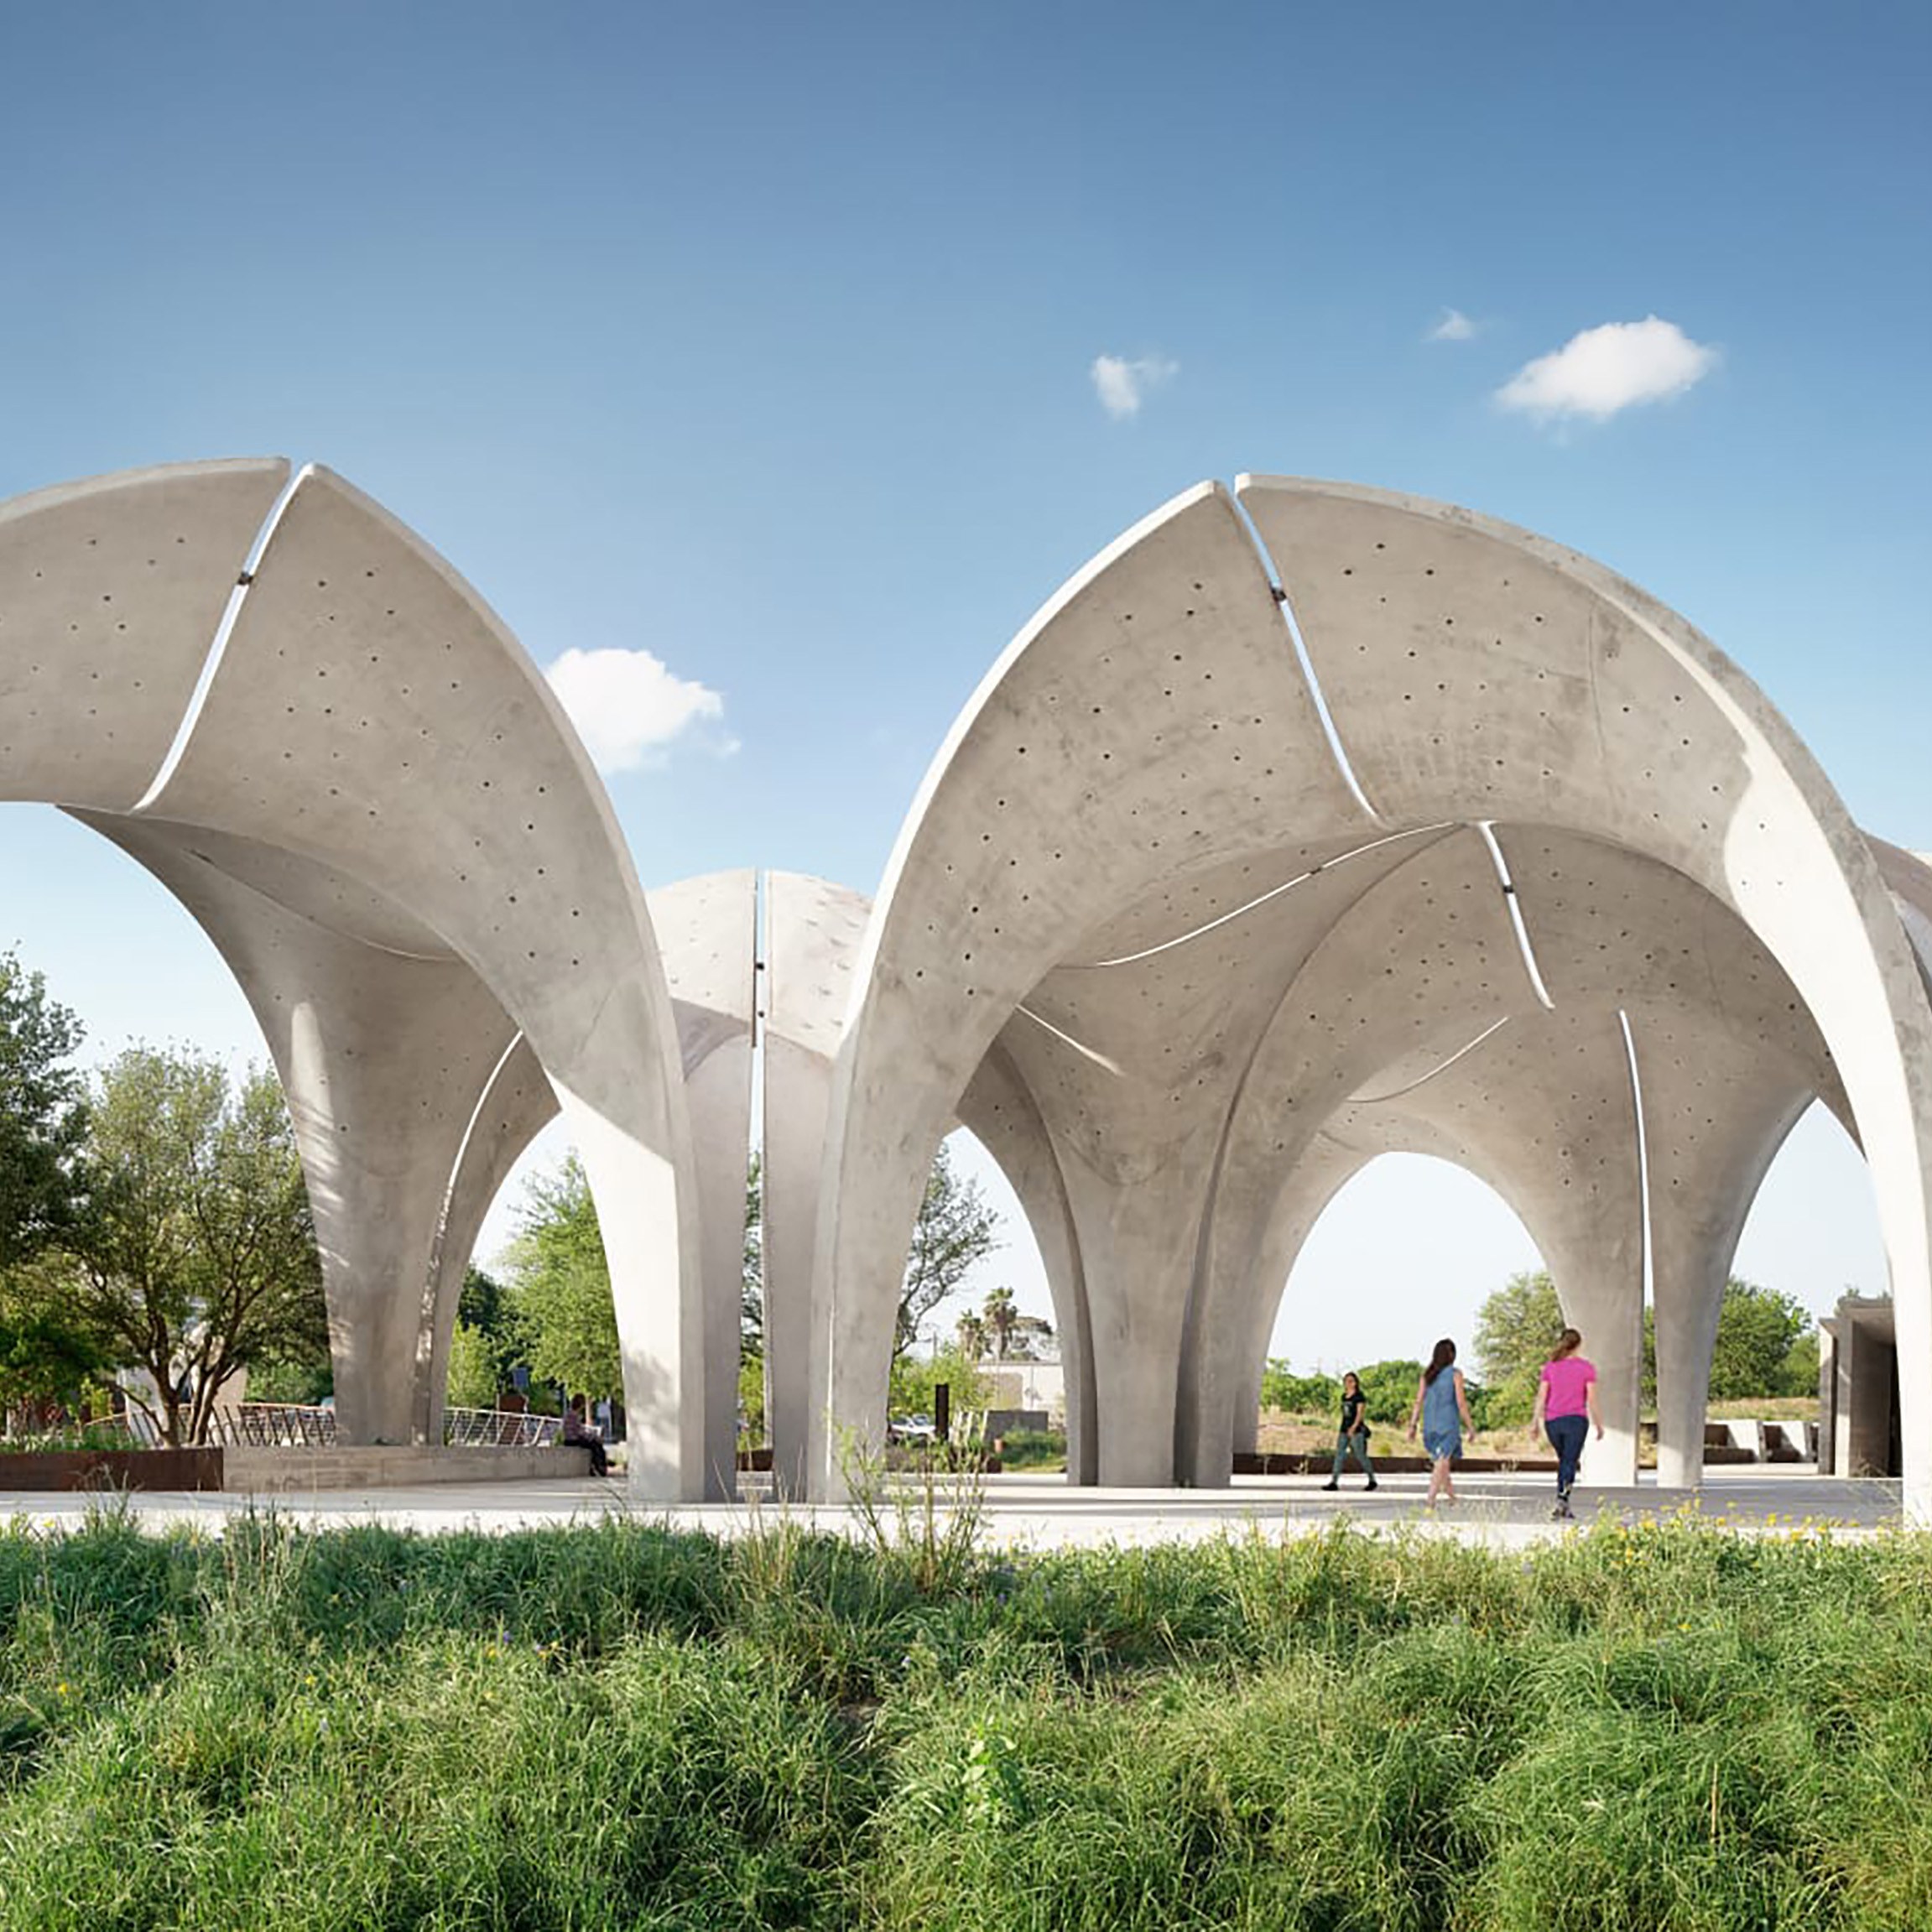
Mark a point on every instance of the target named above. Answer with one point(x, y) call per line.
point(624, 1727)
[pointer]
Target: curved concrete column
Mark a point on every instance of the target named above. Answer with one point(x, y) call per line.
point(383, 1041)
point(814, 932)
point(1909, 877)
point(999, 1108)
point(1423, 622)
point(707, 935)
point(372, 714)
point(515, 1107)
point(1727, 1059)
point(1326, 1166)
point(1149, 723)
point(1402, 979)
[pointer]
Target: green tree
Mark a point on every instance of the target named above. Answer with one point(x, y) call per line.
point(956, 1230)
point(488, 1308)
point(1767, 1344)
point(914, 1377)
point(1293, 1394)
point(199, 1255)
point(561, 1284)
point(969, 1332)
point(1390, 1389)
point(43, 1118)
point(1799, 1375)
point(1000, 1315)
point(1757, 1329)
point(50, 1356)
point(1515, 1332)
point(473, 1382)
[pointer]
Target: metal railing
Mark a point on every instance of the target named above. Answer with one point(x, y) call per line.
point(499, 1429)
point(271, 1425)
point(305, 1425)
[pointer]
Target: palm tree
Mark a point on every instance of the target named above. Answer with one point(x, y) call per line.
point(971, 1333)
point(1000, 1315)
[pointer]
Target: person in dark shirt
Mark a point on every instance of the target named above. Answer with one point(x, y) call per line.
point(1353, 1433)
point(579, 1434)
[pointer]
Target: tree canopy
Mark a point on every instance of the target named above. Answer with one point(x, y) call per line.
point(561, 1284)
point(956, 1228)
point(1767, 1342)
point(42, 1117)
point(197, 1257)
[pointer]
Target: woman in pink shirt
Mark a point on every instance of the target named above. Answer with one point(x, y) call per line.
point(1565, 1409)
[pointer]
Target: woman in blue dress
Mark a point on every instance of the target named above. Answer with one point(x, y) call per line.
point(1442, 1409)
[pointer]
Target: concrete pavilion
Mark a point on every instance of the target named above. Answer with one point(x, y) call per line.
point(1306, 823)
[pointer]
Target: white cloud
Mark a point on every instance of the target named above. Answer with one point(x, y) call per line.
point(1453, 326)
point(627, 705)
point(1600, 371)
point(1121, 385)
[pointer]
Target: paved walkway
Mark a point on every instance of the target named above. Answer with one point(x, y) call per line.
point(1042, 1511)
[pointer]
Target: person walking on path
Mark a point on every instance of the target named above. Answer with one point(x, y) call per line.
point(1565, 1409)
point(1442, 1409)
point(1353, 1433)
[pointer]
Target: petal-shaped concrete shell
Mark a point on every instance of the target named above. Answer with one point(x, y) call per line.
point(1560, 864)
point(381, 814)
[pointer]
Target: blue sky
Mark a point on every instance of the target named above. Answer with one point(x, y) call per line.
point(762, 340)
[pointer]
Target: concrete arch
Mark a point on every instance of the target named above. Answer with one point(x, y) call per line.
point(1000, 1111)
point(371, 739)
point(1050, 807)
point(1422, 621)
point(1066, 884)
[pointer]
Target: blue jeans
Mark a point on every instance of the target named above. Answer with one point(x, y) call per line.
point(1359, 1443)
point(1566, 1433)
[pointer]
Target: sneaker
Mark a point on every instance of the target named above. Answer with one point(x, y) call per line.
point(1372, 1484)
point(1563, 1512)
point(1332, 1484)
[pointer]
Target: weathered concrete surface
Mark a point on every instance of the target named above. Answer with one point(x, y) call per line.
point(707, 931)
point(813, 931)
point(295, 1472)
point(110, 591)
point(1127, 867)
point(373, 739)
point(1180, 960)
point(1057, 800)
point(384, 1046)
point(1477, 671)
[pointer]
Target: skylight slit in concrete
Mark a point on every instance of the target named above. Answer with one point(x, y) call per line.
point(1337, 750)
point(1099, 1059)
point(217, 648)
point(1261, 899)
point(1442, 1066)
point(1487, 832)
point(1642, 1156)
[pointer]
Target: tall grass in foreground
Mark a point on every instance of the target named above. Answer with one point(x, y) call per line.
point(621, 1726)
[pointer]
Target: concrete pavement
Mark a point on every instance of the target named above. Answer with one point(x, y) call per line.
point(1044, 1512)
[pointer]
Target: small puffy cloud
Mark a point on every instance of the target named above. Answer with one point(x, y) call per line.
point(1123, 385)
point(1606, 369)
point(1452, 326)
point(627, 705)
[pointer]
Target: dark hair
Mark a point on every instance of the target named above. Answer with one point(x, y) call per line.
point(1348, 1375)
point(1567, 1343)
point(1444, 1354)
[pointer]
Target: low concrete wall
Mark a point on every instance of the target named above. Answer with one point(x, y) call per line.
point(273, 1471)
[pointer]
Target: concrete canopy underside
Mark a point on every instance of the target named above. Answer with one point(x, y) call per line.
point(358, 735)
point(1305, 823)
point(1551, 868)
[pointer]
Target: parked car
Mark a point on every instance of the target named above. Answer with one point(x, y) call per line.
point(911, 1429)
